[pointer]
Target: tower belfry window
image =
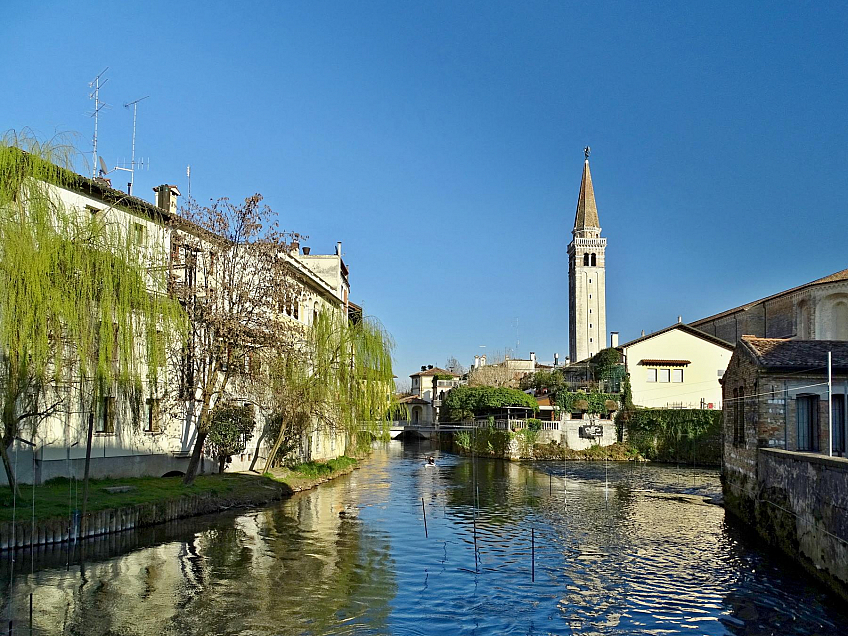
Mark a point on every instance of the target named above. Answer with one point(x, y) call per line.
point(586, 259)
point(593, 261)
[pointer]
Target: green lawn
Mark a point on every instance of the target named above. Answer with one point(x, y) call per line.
point(52, 498)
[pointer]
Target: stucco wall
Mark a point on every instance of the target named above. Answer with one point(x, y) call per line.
point(700, 377)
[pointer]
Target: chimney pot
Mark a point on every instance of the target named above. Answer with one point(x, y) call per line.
point(306, 250)
point(679, 319)
point(613, 339)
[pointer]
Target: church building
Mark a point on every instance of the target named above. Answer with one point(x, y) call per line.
point(587, 309)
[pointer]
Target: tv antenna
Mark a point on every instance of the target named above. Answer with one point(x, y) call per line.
point(131, 169)
point(96, 84)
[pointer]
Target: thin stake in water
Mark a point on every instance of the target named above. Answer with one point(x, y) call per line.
point(424, 510)
point(533, 555)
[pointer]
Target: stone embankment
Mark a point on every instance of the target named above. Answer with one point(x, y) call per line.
point(284, 483)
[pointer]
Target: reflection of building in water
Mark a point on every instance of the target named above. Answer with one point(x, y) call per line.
point(280, 568)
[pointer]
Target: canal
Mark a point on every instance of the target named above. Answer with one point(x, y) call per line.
point(619, 549)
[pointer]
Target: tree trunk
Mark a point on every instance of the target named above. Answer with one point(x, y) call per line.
point(194, 463)
point(10, 475)
point(85, 474)
point(221, 461)
point(276, 447)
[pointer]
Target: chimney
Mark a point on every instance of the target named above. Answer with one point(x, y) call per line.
point(643, 332)
point(306, 250)
point(295, 247)
point(339, 248)
point(166, 197)
point(476, 361)
point(533, 357)
point(613, 339)
point(567, 360)
point(679, 319)
point(483, 360)
point(556, 359)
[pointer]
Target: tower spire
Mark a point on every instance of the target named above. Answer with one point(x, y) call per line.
point(586, 218)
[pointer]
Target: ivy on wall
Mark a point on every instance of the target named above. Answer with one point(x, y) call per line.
point(595, 403)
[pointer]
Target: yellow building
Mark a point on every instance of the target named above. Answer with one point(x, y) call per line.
point(676, 367)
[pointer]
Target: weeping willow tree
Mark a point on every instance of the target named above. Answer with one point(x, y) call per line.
point(83, 315)
point(339, 378)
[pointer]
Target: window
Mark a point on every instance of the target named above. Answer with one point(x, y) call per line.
point(154, 416)
point(590, 296)
point(106, 416)
point(591, 340)
point(838, 427)
point(590, 281)
point(807, 419)
point(593, 261)
point(590, 325)
point(665, 375)
point(677, 375)
point(586, 259)
point(651, 375)
point(590, 311)
point(139, 234)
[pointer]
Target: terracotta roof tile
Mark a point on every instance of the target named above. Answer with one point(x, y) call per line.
point(783, 353)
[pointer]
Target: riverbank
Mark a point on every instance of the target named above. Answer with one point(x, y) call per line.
point(115, 505)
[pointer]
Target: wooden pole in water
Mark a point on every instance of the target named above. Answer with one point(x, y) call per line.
point(533, 555)
point(424, 510)
point(475, 542)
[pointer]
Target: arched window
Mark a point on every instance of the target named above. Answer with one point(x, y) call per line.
point(315, 312)
point(586, 258)
point(839, 318)
point(804, 321)
point(594, 262)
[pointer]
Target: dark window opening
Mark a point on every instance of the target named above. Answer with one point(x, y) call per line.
point(586, 259)
point(594, 262)
point(807, 418)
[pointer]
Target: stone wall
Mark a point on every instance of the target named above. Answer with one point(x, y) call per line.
point(798, 502)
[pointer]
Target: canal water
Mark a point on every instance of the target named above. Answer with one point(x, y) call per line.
point(614, 549)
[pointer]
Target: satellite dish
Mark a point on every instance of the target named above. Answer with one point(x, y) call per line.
point(103, 169)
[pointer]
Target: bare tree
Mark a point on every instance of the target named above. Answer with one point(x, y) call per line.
point(232, 274)
point(453, 365)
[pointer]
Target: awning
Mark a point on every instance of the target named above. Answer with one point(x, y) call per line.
point(665, 363)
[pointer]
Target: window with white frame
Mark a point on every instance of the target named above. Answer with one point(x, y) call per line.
point(664, 375)
point(677, 375)
point(650, 375)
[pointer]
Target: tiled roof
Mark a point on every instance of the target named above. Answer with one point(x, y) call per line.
point(666, 363)
point(683, 327)
point(587, 210)
point(412, 399)
point(782, 353)
point(434, 371)
point(831, 278)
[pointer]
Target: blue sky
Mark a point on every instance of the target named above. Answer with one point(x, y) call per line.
point(441, 142)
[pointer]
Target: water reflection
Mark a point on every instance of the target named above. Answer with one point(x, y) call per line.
point(619, 549)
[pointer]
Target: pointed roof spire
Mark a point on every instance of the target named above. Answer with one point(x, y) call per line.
point(587, 210)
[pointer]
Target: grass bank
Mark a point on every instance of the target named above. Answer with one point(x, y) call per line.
point(56, 497)
point(310, 474)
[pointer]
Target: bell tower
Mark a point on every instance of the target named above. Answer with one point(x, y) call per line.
point(587, 308)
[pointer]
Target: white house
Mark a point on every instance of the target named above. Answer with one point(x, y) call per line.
point(676, 367)
point(162, 443)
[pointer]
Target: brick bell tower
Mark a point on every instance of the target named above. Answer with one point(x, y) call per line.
point(587, 308)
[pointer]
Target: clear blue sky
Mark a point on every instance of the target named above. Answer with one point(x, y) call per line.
point(441, 142)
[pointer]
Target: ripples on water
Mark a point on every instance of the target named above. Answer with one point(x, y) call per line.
point(619, 549)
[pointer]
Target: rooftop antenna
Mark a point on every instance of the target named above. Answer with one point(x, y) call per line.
point(131, 169)
point(188, 176)
point(96, 84)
